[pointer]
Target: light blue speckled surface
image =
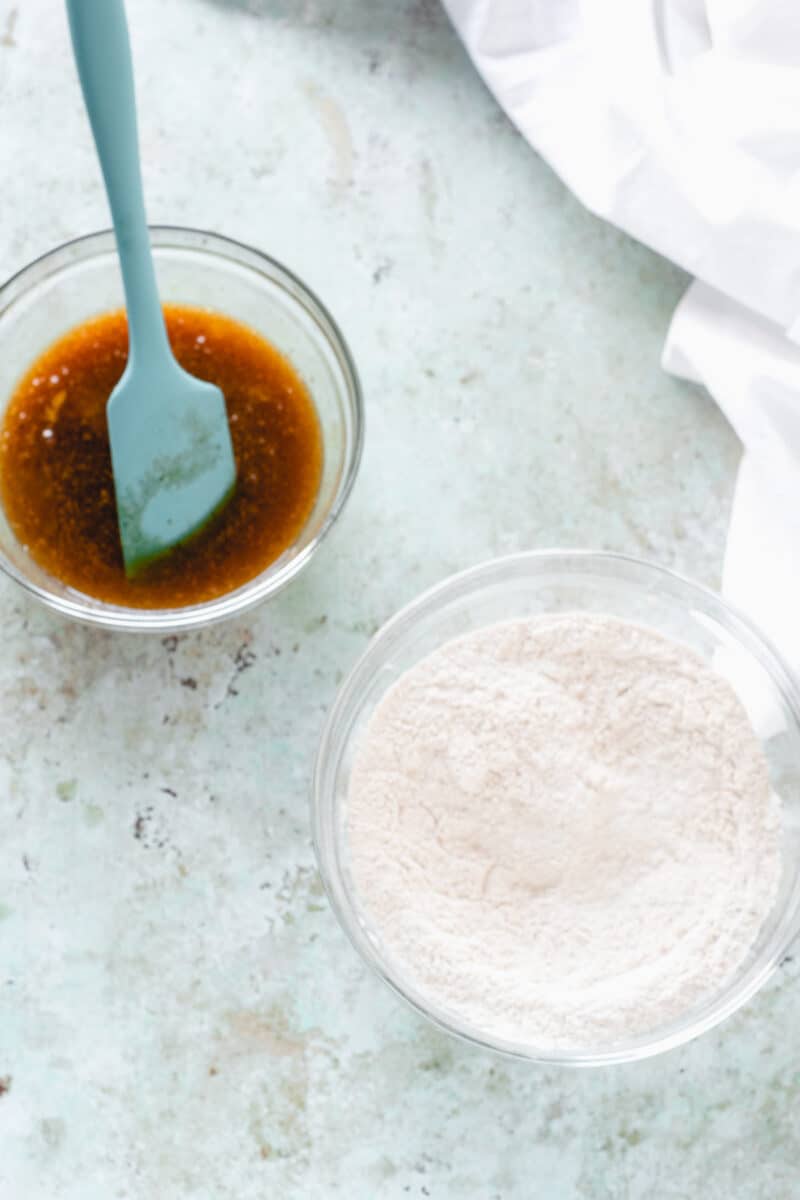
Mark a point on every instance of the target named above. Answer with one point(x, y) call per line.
point(180, 1016)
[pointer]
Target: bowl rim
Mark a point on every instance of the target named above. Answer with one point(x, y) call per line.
point(278, 574)
point(324, 811)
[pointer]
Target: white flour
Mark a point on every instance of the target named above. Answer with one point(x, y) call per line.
point(561, 829)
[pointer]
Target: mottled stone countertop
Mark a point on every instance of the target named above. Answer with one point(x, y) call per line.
point(180, 1016)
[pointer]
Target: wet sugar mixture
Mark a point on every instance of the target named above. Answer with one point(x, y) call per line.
point(56, 485)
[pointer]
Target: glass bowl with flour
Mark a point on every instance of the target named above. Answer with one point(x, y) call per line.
point(557, 807)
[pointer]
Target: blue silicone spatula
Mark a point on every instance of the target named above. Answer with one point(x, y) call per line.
point(171, 446)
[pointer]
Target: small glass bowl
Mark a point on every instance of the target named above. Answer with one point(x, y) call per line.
point(552, 582)
point(81, 279)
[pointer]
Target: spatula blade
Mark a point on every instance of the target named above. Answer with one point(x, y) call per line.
point(173, 462)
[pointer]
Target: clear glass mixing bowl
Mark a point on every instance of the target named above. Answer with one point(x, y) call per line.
point(81, 279)
point(552, 582)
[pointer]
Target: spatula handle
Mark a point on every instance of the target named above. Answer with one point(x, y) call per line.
point(103, 56)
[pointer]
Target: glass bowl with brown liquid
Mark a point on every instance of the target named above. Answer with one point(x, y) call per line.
point(235, 317)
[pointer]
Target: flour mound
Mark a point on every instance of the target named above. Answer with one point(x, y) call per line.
point(561, 830)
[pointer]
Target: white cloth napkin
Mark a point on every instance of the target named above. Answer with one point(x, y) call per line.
point(679, 121)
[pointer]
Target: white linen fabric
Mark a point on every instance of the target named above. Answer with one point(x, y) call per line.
point(679, 122)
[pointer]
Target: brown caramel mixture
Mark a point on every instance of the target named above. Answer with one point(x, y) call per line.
point(55, 465)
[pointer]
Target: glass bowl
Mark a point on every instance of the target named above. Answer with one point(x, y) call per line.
point(81, 279)
point(552, 582)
